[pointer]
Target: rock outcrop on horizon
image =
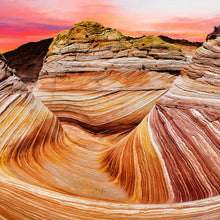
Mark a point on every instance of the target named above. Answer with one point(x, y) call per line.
point(183, 42)
point(89, 46)
point(214, 34)
point(27, 59)
point(114, 144)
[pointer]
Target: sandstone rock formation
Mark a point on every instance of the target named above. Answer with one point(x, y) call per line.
point(182, 132)
point(100, 79)
point(89, 46)
point(112, 144)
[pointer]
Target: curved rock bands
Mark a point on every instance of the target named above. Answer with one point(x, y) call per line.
point(185, 126)
point(37, 201)
point(46, 157)
point(63, 83)
point(105, 112)
point(20, 200)
point(134, 164)
point(102, 101)
point(189, 140)
point(202, 77)
point(35, 149)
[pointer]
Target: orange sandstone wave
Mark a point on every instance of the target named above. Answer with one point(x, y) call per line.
point(112, 144)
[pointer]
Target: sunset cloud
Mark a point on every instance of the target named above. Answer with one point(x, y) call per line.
point(198, 25)
point(22, 21)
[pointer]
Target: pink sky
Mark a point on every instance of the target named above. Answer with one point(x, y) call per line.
point(22, 21)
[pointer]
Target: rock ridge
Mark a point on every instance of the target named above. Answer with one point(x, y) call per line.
point(89, 46)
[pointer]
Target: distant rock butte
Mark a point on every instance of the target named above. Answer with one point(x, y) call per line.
point(179, 42)
point(214, 34)
point(27, 59)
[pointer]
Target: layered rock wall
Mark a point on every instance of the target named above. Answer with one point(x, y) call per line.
point(89, 46)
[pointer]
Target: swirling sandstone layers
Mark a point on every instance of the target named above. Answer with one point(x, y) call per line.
point(184, 130)
point(35, 151)
point(53, 170)
point(104, 81)
point(185, 123)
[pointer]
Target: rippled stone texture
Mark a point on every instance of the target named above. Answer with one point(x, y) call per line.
point(185, 123)
point(161, 161)
point(184, 130)
point(104, 81)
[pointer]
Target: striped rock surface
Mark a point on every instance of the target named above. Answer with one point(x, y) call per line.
point(161, 161)
point(178, 143)
point(104, 81)
point(106, 102)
